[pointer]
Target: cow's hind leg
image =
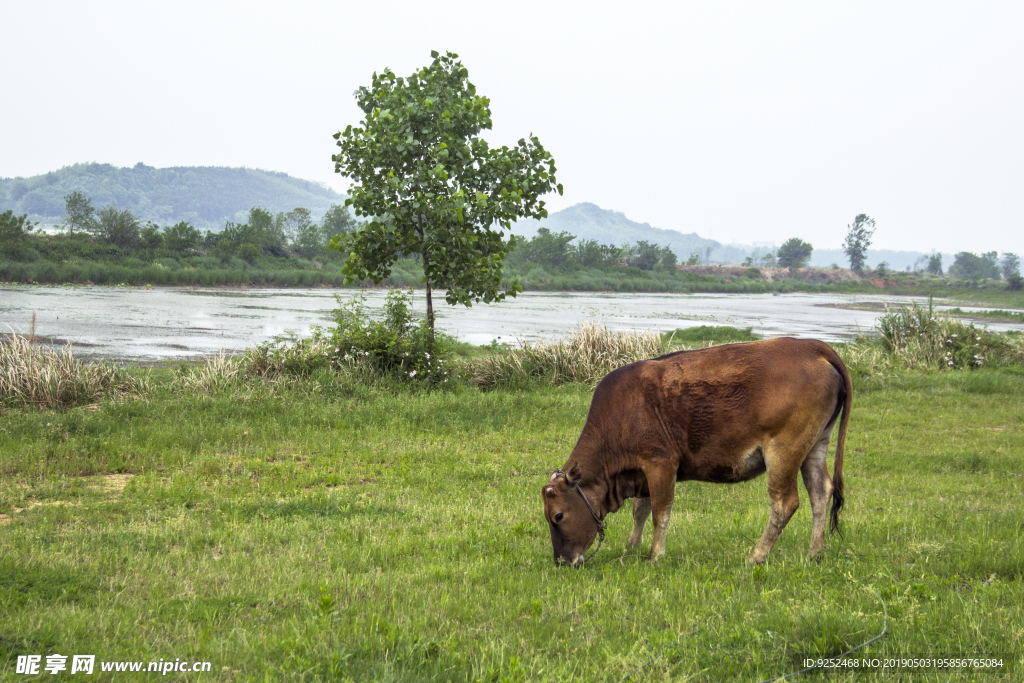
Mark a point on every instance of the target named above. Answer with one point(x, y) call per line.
point(641, 511)
point(784, 498)
point(819, 490)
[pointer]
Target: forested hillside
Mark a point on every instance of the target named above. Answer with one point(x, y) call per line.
point(590, 222)
point(207, 197)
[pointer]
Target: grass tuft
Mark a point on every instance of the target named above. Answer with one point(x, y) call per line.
point(30, 376)
point(585, 356)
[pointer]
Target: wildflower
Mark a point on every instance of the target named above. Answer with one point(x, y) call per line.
point(950, 362)
point(412, 374)
point(427, 355)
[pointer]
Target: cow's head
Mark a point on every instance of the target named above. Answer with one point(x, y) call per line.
point(573, 527)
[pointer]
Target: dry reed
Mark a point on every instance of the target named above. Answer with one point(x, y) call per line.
point(219, 372)
point(585, 356)
point(55, 379)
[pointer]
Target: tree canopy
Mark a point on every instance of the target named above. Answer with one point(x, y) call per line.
point(794, 253)
point(429, 185)
point(973, 267)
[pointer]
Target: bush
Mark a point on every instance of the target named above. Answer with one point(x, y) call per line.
point(395, 345)
point(925, 339)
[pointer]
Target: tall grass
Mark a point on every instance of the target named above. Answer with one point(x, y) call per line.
point(31, 376)
point(585, 356)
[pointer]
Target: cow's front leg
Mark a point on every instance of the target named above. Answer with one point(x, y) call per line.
point(661, 483)
point(641, 511)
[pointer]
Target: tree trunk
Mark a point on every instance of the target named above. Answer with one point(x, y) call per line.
point(430, 304)
point(426, 276)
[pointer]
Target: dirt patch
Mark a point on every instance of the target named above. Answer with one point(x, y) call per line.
point(771, 274)
point(45, 340)
point(857, 306)
point(110, 485)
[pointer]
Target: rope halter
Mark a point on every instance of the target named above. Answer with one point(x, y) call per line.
point(601, 526)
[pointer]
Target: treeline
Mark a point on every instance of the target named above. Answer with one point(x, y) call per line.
point(114, 246)
point(556, 251)
point(110, 232)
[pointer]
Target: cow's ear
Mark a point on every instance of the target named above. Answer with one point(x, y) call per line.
point(573, 476)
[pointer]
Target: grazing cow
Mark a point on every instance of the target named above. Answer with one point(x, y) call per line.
point(724, 414)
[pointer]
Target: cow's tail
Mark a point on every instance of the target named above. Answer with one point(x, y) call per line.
point(837, 476)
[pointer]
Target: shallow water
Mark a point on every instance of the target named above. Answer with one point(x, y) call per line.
point(143, 324)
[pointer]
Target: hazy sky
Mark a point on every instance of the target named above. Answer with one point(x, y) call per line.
point(739, 121)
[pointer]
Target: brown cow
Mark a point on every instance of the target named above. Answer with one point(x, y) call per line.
point(724, 414)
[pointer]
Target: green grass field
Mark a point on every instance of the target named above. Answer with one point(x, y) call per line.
point(312, 533)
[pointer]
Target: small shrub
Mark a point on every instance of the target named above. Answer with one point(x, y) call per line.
point(396, 344)
point(915, 338)
point(922, 338)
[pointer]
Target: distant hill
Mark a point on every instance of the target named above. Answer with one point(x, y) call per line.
point(590, 222)
point(206, 196)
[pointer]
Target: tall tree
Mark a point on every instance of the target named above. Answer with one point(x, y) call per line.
point(338, 220)
point(13, 228)
point(429, 185)
point(794, 254)
point(81, 215)
point(294, 221)
point(182, 238)
point(972, 267)
point(1010, 265)
point(260, 236)
point(858, 239)
point(935, 264)
point(120, 228)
